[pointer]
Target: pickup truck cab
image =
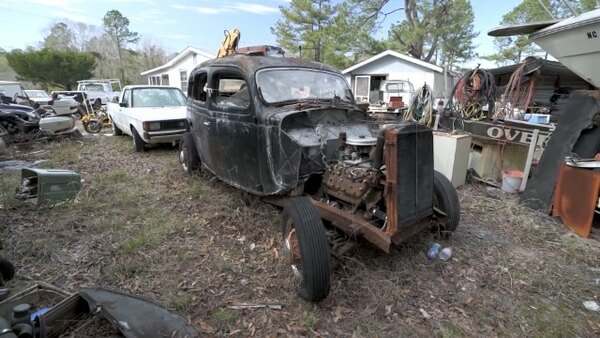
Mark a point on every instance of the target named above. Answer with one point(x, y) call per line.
point(99, 92)
point(149, 114)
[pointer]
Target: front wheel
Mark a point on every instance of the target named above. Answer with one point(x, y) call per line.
point(306, 247)
point(138, 142)
point(116, 130)
point(445, 200)
point(93, 126)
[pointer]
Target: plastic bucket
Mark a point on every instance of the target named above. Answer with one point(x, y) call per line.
point(511, 180)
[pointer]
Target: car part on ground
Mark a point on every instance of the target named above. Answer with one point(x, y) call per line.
point(48, 185)
point(46, 311)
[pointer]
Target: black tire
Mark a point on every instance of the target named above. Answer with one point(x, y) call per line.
point(189, 160)
point(7, 270)
point(93, 127)
point(446, 199)
point(138, 142)
point(305, 243)
point(115, 129)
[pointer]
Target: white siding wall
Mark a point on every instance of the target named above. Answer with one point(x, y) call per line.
point(187, 64)
point(397, 69)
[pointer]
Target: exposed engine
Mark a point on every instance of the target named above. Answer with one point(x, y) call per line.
point(389, 178)
point(352, 178)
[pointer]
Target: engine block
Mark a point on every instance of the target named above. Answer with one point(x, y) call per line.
point(353, 184)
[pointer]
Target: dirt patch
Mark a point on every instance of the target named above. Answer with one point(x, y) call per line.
point(196, 246)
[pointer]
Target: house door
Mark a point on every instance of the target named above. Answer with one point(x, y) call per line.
point(362, 83)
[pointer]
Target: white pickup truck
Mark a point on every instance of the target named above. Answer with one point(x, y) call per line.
point(100, 92)
point(149, 114)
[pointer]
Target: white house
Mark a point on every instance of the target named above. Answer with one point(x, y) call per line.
point(366, 77)
point(176, 71)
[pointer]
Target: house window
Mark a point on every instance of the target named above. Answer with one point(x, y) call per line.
point(184, 80)
point(154, 80)
point(195, 59)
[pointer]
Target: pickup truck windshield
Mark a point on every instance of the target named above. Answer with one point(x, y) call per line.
point(94, 87)
point(279, 85)
point(157, 97)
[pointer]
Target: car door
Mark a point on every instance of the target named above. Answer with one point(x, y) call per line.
point(198, 115)
point(232, 129)
point(122, 116)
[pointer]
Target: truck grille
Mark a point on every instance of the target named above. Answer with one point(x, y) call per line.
point(172, 124)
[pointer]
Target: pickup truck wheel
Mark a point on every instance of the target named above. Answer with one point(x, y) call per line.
point(306, 247)
point(7, 270)
point(138, 142)
point(115, 129)
point(188, 155)
point(446, 200)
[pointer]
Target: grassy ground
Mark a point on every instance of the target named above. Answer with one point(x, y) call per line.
point(194, 246)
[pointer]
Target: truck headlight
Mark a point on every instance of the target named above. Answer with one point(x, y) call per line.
point(151, 126)
point(182, 124)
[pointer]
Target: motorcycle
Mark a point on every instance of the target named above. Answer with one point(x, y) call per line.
point(93, 124)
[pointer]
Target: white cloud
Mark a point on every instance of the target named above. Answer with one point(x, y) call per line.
point(238, 6)
point(254, 8)
point(55, 3)
point(209, 10)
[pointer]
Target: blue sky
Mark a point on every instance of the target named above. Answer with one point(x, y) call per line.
point(178, 23)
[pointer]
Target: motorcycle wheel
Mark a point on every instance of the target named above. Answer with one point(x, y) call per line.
point(93, 127)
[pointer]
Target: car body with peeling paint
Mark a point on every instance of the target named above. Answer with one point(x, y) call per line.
point(288, 130)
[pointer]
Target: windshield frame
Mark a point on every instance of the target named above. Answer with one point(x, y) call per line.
point(346, 98)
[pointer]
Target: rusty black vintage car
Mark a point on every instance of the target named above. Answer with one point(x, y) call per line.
point(289, 130)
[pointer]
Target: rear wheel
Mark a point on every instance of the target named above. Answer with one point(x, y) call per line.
point(138, 142)
point(188, 154)
point(445, 199)
point(306, 247)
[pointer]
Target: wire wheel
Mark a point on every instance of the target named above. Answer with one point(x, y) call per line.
point(93, 127)
point(306, 249)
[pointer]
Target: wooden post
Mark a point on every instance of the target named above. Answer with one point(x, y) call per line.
point(532, 146)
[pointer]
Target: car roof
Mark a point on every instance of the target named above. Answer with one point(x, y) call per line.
point(251, 64)
point(148, 86)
